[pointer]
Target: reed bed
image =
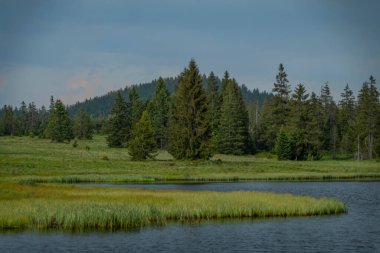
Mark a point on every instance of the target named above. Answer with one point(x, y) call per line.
point(66, 207)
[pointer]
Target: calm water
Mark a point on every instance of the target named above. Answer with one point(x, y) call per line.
point(356, 231)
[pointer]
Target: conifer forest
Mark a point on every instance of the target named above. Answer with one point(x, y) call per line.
point(194, 116)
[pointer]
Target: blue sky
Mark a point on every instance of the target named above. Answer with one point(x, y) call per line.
point(78, 49)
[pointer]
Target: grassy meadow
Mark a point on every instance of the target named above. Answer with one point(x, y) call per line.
point(69, 207)
point(25, 159)
point(33, 193)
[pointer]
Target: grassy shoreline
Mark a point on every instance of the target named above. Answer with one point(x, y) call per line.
point(25, 159)
point(66, 207)
point(37, 191)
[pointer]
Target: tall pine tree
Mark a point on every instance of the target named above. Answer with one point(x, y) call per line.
point(214, 108)
point(118, 125)
point(368, 113)
point(190, 129)
point(233, 134)
point(83, 126)
point(159, 110)
point(142, 144)
point(347, 118)
point(60, 125)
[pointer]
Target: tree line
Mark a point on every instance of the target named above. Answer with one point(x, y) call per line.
point(208, 115)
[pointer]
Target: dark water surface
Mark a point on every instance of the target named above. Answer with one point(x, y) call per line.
point(356, 231)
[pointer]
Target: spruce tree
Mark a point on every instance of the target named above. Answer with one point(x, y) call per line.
point(233, 135)
point(283, 146)
point(190, 129)
point(303, 127)
point(214, 108)
point(60, 125)
point(135, 106)
point(118, 125)
point(279, 107)
point(142, 144)
point(299, 118)
point(159, 110)
point(329, 121)
point(368, 106)
point(347, 118)
point(83, 127)
point(280, 101)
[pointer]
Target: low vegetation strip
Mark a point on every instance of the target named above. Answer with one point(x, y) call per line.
point(25, 159)
point(66, 207)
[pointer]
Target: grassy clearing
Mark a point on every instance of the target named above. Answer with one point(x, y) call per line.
point(25, 159)
point(80, 208)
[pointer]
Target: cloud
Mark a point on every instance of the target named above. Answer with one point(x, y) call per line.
point(84, 85)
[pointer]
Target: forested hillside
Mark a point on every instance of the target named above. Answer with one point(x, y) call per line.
point(194, 116)
point(101, 106)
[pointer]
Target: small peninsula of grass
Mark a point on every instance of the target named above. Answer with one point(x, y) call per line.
point(80, 208)
point(33, 160)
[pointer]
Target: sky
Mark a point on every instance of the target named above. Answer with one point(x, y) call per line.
point(77, 49)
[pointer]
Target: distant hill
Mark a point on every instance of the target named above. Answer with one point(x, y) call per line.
point(101, 105)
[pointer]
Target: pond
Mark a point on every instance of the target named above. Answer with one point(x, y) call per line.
point(356, 231)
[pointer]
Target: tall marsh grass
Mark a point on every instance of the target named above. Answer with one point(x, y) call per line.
point(81, 208)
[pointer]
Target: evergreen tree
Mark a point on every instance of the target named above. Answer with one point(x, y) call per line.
point(298, 119)
point(266, 133)
point(280, 101)
point(368, 106)
point(233, 136)
point(135, 106)
point(43, 115)
point(347, 118)
point(329, 121)
point(279, 107)
point(32, 119)
point(303, 127)
point(313, 128)
point(142, 144)
point(214, 108)
point(283, 146)
point(83, 127)
point(60, 126)
point(159, 110)
point(119, 127)
point(190, 130)
point(7, 121)
point(23, 118)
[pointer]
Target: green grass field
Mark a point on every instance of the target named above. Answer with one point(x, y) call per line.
point(25, 159)
point(32, 195)
point(80, 208)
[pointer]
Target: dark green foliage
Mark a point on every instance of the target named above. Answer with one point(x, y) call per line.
point(278, 115)
point(190, 129)
point(347, 118)
point(59, 127)
point(368, 118)
point(283, 146)
point(135, 106)
point(142, 144)
point(118, 125)
point(83, 126)
point(280, 101)
point(7, 121)
point(329, 122)
point(233, 136)
point(214, 108)
point(303, 126)
point(159, 110)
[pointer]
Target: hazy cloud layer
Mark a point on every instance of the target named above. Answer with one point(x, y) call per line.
point(80, 49)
